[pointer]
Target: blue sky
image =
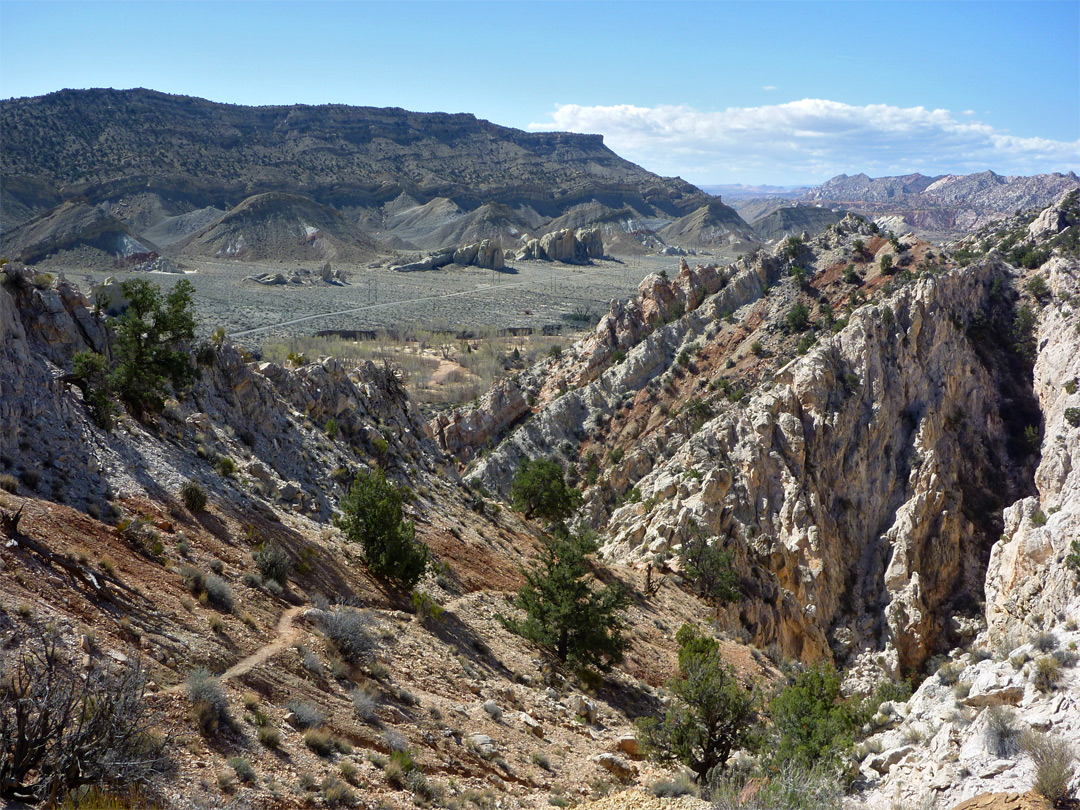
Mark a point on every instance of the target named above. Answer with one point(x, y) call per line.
point(717, 92)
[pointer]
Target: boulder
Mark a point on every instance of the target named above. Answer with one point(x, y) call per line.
point(883, 762)
point(619, 768)
point(482, 744)
point(629, 745)
point(582, 707)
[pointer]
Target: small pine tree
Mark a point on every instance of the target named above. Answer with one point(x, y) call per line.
point(371, 515)
point(563, 612)
point(709, 567)
point(148, 339)
point(539, 489)
point(712, 713)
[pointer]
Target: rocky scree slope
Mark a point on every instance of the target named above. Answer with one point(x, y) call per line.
point(856, 485)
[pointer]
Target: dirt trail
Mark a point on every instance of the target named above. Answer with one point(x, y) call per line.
point(286, 635)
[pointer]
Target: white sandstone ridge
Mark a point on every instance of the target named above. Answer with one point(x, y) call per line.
point(267, 418)
point(659, 301)
point(849, 489)
point(842, 488)
point(948, 741)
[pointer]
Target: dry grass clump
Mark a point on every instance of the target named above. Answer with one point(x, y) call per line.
point(320, 741)
point(1045, 673)
point(1053, 758)
point(1003, 731)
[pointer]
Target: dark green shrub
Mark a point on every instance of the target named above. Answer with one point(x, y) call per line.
point(1072, 416)
point(798, 318)
point(91, 372)
point(810, 725)
point(193, 496)
point(273, 563)
point(1003, 731)
point(709, 567)
point(371, 515)
point(149, 343)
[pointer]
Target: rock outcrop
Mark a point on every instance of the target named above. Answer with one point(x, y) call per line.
point(852, 488)
point(485, 254)
point(1028, 578)
point(565, 245)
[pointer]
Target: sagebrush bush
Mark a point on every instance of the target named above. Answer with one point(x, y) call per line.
point(208, 700)
point(349, 630)
point(242, 768)
point(336, 793)
point(305, 714)
point(1045, 642)
point(218, 592)
point(365, 704)
point(679, 785)
point(1002, 731)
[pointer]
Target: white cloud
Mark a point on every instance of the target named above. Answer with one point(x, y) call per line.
point(809, 141)
point(769, 87)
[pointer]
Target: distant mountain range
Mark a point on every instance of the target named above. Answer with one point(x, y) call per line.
point(946, 203)
point(131, 172)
